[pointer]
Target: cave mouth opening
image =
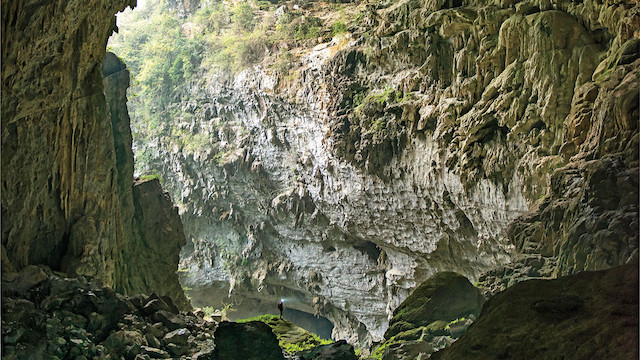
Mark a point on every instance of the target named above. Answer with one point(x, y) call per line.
point(216, 295)
point(160, 58)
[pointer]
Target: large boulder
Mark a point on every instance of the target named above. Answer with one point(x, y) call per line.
point(246, 341)
point(590, 315)
point(445, 296)
point(339, 350)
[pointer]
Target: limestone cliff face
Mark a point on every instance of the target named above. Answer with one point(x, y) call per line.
point(409, 148)
point(151, 226)
point(59, 174)
point(152, 257)
point(67, 165)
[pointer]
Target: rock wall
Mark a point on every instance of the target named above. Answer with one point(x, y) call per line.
point(58, 165)
point(67, 164)
point(406, 149)
point(150, 222)
point(151, 259)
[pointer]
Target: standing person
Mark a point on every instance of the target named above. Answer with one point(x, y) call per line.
point(280, 307)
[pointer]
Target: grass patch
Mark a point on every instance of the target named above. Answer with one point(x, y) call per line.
point(292, 338)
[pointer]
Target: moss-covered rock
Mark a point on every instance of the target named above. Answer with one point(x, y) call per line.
point(445, 296)
point(291, 337)
point(438, 327)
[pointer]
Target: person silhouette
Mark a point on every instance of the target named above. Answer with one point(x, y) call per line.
point(280, 307)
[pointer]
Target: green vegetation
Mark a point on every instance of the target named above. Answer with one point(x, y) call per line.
point(369, 109)
point(409, 335)
point(169, 55)
point(153, 176)
point(338, 27)
point(291, 337)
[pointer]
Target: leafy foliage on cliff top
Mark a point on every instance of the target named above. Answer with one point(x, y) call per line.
point(168, 52)
point(292, 338)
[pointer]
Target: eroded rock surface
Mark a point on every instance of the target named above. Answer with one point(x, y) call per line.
point(152, 257)
point(59, 192)
point(445, 296)
point(406, 150)
point(67, 162)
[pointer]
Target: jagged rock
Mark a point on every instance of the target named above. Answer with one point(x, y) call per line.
point(339, 350)
point(422, 139)
point(156, 353)
point(178, 337)
point(445, 296)
point(158, 330)
point(155, 305)
point(159, 228)
point(71, 318)
point(26, 279)
point(124, 342)
point(588, 315)
point(176, 350)
point(172, 321)
point(152, 340)
point(251, 340)
point(67, 198)
point(204, 355)
point(416, 343)
point(58, 191)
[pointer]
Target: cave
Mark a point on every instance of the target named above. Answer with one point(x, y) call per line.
point(173, 169)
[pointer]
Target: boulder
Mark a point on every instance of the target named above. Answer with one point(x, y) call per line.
point(180, 336)
point(154, 352)
point(244, 341)
point(445, 296)
point(339, 350)
point(590, 315)
point(172, 321)
point(177, 350)
point(26, 279)
point(155, 305)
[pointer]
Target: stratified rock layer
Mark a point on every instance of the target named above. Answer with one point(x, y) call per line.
point(590, 315)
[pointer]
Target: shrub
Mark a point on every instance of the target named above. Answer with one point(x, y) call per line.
point(338, 27)
point(252, 50)
point(243, 16)
point(307, 27)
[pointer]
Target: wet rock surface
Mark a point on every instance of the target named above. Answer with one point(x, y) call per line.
point(590, 315)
